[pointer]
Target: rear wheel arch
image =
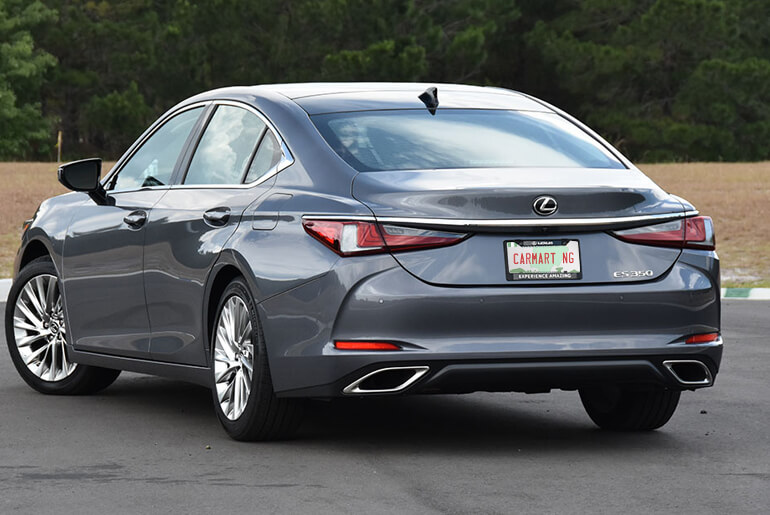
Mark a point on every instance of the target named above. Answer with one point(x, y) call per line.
point(220, 279)
point(227, 268)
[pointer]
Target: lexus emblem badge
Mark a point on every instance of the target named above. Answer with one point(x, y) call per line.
point(545, 205)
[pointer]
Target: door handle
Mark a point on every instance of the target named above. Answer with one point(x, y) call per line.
point(217, 216)
point(136, 219)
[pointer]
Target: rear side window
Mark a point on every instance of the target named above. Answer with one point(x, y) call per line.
point(460, 138)
point(226, 148)
point(268, 155)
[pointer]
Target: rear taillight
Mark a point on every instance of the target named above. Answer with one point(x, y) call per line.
point(352, 237)
point(696, 232)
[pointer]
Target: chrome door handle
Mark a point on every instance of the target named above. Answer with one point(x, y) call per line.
point(136, 219)
point(217, 216)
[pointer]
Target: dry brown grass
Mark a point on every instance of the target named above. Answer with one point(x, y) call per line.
point(23, 186)
point(735, 195)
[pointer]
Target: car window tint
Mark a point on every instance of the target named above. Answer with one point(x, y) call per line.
point(268, 155)
point(154, 162)
point(226, 147)
point(460, 138)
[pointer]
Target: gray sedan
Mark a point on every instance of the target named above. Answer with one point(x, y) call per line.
point(283, 242)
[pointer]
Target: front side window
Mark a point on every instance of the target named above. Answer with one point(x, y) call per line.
point(226, 148)
point(154, 162)
point(411, 139)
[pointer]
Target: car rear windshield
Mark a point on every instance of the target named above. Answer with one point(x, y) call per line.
point(460, 138)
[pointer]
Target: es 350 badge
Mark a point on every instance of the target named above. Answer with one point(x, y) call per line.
point(632, 273)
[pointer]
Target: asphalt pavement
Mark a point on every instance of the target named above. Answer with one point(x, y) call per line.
point(151, 445)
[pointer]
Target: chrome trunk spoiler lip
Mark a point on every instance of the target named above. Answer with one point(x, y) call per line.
point(515, 222)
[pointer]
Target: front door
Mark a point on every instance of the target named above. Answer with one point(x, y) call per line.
point(103, 252)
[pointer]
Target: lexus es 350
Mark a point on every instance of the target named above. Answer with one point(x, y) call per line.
point(283, 242)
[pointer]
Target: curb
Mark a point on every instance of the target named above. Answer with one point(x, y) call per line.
point(746, 293)
point(727, 293)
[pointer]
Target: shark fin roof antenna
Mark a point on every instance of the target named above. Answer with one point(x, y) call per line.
point(429, 97)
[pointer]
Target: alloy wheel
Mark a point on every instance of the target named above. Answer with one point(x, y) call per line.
point(233, 357)
point(39, 329)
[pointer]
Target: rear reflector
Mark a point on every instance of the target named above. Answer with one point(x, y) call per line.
point(346, 345)
point(702, 338)
point(696, 232)
point(352, 237)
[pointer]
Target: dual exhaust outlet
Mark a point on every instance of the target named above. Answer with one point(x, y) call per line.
point(387, 380)
point(687, 372)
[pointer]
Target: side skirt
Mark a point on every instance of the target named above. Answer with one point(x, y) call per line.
point(189, 373)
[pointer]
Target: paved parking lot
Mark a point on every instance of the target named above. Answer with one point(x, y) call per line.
point(141, 446)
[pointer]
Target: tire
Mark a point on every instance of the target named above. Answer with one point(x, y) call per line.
point(262, 416)
point(36, 335)
point(620, 409)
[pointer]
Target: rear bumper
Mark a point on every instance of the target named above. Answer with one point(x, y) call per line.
point(491, 338)
point(567, 371)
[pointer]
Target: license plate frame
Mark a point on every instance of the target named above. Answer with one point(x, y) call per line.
point(520, 257)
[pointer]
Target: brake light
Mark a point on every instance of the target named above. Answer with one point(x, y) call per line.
point(696, 232)
point(699, 233)
point(346, 345)
point(702, 338)
point(349, 237)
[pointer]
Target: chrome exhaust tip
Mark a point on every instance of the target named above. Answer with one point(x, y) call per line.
point(386, 380)
point(689, 372)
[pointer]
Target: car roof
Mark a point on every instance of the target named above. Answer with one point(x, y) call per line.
point(332, 97)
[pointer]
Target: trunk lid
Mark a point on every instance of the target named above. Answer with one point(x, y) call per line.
point(496, 207)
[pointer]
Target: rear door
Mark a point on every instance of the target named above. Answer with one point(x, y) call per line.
point(103, 250)
point(231, 167)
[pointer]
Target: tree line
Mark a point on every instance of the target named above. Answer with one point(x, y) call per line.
point(663, 80)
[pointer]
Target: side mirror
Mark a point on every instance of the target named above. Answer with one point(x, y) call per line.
point(84, 176)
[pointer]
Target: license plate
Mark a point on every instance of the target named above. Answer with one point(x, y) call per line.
point(535, 260)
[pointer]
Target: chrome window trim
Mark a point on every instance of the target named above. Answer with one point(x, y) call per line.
point(518, 222)
point(287, 159)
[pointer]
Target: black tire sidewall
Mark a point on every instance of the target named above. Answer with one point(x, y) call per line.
point(622, 409)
